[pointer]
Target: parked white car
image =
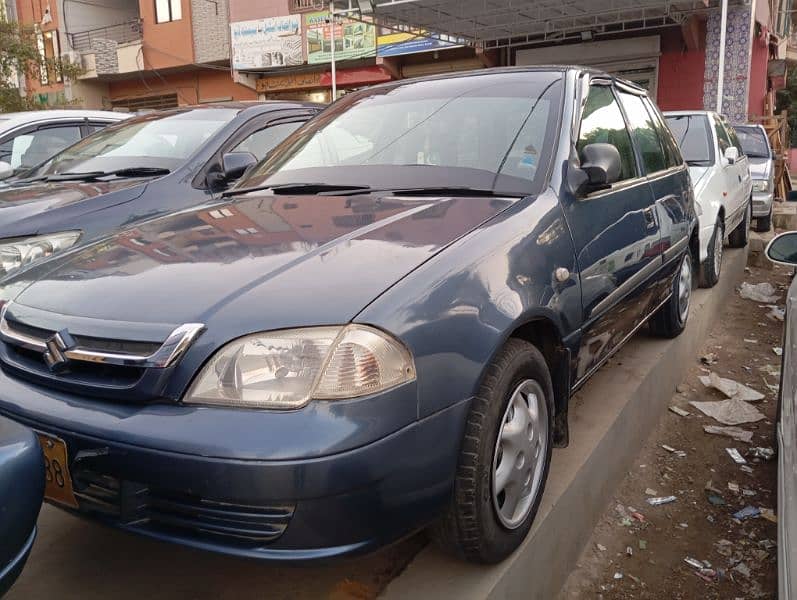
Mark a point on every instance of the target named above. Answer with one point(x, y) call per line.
point(755, 144)
point(721, 178)
point(29, 138)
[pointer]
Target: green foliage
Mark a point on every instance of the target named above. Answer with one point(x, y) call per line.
point(20, 55)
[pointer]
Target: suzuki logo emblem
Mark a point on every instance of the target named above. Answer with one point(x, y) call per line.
point(57, 346)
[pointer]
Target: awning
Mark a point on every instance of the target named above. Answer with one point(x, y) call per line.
point(502, 23)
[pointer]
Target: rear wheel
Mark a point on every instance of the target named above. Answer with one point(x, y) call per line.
point(670, 320)
point(504, 459)
point(740, 235)
point(712, 266)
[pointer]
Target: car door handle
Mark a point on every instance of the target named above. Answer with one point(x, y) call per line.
point(740, 177)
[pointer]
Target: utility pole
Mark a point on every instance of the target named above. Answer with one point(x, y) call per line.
point(332, 40)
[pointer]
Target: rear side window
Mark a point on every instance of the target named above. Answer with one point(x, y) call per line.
point(645, 134)
point(602, 122)
point(261, 142)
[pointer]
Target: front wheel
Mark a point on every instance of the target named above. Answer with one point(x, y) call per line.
point(740, 235)
point(504, 458)
point(712, 266)
point(670, 320)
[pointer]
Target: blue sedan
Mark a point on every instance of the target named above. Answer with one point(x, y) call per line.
point(139, 169)
point(22, 475)
point(378, 329)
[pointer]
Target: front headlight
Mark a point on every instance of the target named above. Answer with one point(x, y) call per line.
point(760, 185)
point(287, 369)
point(23, 251)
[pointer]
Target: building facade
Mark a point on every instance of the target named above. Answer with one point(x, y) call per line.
point(140, 54)
point(137, 54)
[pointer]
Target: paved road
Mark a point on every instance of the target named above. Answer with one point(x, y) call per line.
point(74, 558)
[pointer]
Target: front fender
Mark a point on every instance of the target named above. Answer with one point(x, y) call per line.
point(456, 311)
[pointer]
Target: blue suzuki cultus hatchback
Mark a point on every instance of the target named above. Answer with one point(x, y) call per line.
point(377, 330)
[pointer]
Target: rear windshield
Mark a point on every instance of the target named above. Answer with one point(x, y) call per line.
point(754, 141)
point(485, 131)
point(693, 134)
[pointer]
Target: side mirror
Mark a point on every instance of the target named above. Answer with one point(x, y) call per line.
point(731, 154)
point(6, 170)
point(601, 164)
point(783, 249)
point(235, 164)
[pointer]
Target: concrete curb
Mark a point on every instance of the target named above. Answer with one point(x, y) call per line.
point(610, 418)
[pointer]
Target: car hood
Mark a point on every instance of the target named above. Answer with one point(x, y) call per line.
point(20, 202)
point(256, 262)
point(697, 174)
point(760, 167)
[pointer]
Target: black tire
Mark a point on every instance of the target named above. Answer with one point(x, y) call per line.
point(670, 320)
point(711, 268)
point(764, 224)
point(471, 527)
point(739, 236)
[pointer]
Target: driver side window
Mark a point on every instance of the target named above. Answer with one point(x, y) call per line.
point(722, 137)
point(602, 122)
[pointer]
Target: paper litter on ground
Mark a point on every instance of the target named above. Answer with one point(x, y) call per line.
point(759, 292)
point(731, 388)
point(738, 434)
point(729, 412)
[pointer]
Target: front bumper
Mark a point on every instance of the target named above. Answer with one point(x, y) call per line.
point(762, 203)
point(294, 510)
point(10, 571)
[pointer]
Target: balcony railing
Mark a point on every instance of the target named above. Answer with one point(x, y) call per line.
point(123, 32)
point(300, 6)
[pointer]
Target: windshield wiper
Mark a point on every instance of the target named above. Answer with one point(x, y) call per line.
point(126, 172)
point(302, 188)
point(444, 191)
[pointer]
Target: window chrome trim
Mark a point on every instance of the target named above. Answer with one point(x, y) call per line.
point(178, 341)
point(662, 173)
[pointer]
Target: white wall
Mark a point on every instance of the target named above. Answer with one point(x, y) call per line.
point(80, 16)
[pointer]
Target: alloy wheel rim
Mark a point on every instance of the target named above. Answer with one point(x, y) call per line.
point(519, 455)
point(718, 250)
point(684, 288)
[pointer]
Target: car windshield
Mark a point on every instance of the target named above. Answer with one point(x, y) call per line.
point(754, 141)
point(156, 140)
point(492, 132)
point(693, 134)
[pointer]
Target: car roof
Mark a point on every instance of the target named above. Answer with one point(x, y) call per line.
point(250, 107)
point(756, 125)
point(15, 119)
point(676, 113)
point(509, 71)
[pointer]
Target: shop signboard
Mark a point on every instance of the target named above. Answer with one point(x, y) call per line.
point(353, 39)
point(395, 43)
point(266, 43)
point(289, 81)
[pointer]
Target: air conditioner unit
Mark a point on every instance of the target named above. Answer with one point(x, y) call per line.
point(73, 56)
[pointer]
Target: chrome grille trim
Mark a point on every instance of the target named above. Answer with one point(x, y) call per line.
point(177, 342)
